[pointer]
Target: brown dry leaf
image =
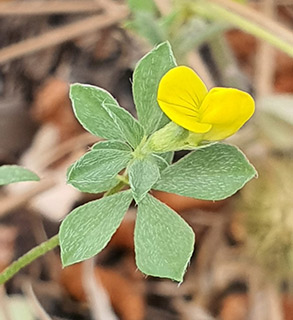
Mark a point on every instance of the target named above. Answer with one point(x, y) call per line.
point(180, 203)
point(126, 301)
point(123, 238)
point(107, 45)
point(284, 83)
point(288, 307)
point(8, 235)
point(234, 307)
point(244, 47)
point(284, 73)
point(52, 105)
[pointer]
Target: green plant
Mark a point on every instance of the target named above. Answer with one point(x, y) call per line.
point(163, 240)
point(12, 173)
point(190, 23)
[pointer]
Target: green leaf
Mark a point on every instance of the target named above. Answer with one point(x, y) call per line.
point(146, 77)
point(88, 228)
point(96, 171)
point(12, 173)
point(195, 33)
point(99, 113)
point(142, 6)
point(143, 174)
point(163, 240)
point(111, 144)
point(212, 173)
point(168, 156)
point(160, 161)
point(147, 26)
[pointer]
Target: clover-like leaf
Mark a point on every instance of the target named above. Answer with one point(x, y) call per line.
point(96, 171)
point(163, 240)
point(146, 77)
point(88, 228)
point(112, 145)
point(214, 172)
point(143, 174)
point(100, 114)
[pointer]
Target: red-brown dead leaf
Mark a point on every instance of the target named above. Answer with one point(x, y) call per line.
point(243, 45)
point(288, 307)
point(234, 307)
point(52, 105)
point(180, 203)
point(125, 299)
point(123, 238)
point(8, 236)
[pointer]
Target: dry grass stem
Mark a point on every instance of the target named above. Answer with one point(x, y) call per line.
point(98, 299)
point(49, 7)
point(34, 303)
point(264, 298)
point(258, 18)
point(265, 60)
point(12, 202)
point(4, 306)
point(66, 148)
point(63, 34)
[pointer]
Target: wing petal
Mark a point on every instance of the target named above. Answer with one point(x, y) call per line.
point(227, 110)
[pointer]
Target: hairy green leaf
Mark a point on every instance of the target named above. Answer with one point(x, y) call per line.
point(88, 228)
point(100, 114)
point(147, 25)
point(12, 173)
point(163, 240)
point(143, 174)
point(96, 171)
point(112, 144)
point(147, 75)
point(168, 156)
point(160, 161)
point(212, 173)
point(142, 6)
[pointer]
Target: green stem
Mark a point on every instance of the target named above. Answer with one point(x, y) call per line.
point(118, 187)
point(29, 257)
point(46, 246)
point(273, 33)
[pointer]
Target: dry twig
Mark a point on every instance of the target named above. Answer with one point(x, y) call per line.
point(258, 18)
point(34, 303)
point(265, 61)
point(12, 202)
point(97, 297)
point(15, 8)
point(3, 305)
point(63, 34)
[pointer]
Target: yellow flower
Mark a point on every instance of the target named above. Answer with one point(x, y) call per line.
point(215, 114)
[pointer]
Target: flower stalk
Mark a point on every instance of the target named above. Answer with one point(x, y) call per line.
point(29, 257)
point(44, 247)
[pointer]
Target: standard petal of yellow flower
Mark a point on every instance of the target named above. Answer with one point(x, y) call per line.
point(226, 109)
point(180, 95)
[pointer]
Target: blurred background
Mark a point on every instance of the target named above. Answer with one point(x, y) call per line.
point(242, 267)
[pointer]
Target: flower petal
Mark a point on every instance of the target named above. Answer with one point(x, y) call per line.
point(227, 110)
point(180, 95)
